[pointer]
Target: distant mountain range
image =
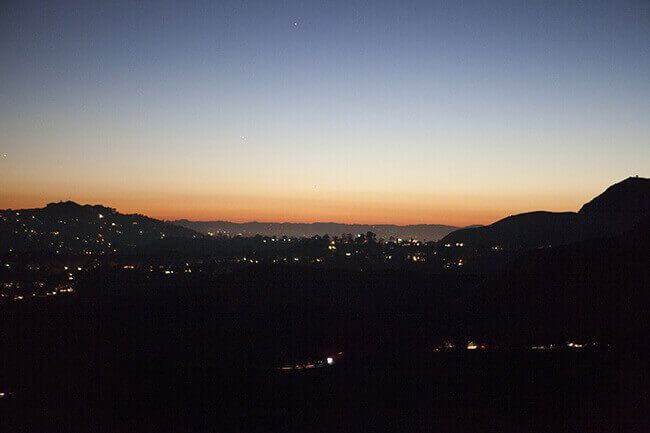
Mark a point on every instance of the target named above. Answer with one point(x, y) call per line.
point(425, 232)
point(67, 227)
point(620, 208)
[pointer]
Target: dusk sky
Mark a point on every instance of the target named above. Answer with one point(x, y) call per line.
point(448, 112)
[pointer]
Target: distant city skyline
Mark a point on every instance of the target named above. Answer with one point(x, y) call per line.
point(344, 111)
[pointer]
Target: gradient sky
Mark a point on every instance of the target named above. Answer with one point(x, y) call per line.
point(452, 112)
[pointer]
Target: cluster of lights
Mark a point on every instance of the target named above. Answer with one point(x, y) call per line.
point(543, 347)
point(470, 345)
point(61, 290)
point(328, 361)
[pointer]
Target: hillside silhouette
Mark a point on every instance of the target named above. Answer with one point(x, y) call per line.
point(68, 227)
point(620, 208)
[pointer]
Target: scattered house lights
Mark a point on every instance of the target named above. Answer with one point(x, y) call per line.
point(575, 345)
point(543, 347)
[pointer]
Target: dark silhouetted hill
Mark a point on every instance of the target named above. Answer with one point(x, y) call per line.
point(597, 287)
point(528, 230)
point(67, 227)
point(620, 208)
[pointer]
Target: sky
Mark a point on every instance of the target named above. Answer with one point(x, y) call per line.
point(450, 112)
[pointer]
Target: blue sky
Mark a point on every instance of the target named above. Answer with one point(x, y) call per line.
point(452, 112)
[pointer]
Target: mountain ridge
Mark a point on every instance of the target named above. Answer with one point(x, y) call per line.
point(426, 232)
point(69, 227)
point(618, 209)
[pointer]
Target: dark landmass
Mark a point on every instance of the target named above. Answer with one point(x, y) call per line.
point(423, 232)
point(587, 391)
point(128, 350)
point(621, 207)
point(187, 332)
point(70, 228)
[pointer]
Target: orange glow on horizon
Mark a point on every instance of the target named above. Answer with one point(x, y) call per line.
point(454, 201)
point(368, 209)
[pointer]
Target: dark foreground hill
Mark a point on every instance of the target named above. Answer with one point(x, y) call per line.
point(424, 232)
point(203, 354)
point(70, 228)
point(620, 208)
point(597, 287)
point(200, 352)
